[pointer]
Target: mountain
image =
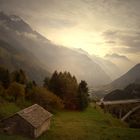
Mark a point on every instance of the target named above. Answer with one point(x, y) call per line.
point(110, 68)
point(132, 76)
point(132, 91)
point(16, 32)
point(15, 58)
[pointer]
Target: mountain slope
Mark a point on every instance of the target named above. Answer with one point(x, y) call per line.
point(132, 76)
point(18, 33)
point(132, 91)
point(110, 68)
point(14, 58)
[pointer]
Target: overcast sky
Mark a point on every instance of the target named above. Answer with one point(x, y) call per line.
point(107, 28)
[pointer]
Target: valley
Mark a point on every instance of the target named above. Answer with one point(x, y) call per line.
point(69, 70)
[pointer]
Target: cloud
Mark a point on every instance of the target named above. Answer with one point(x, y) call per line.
point(128, 40)
point(55, 22)
point(79, 23)
point(116, 56)
point(110, 42)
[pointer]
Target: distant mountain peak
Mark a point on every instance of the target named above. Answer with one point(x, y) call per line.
point(15, 18)
point(6, 16)
point(16, 23)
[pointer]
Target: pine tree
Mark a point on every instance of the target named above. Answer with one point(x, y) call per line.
point(53, 83)
point(83, 95)
point(19, 76)
point(65, 86)
point(4, 77)
point(46, 82)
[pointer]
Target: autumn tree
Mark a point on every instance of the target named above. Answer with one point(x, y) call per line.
point(16, 91)
point(46, 98)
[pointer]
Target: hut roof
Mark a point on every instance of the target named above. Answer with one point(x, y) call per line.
point(35, 115)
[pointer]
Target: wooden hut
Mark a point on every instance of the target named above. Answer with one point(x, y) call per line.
point(31, 121)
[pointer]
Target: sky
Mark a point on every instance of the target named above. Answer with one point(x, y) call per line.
point(106, 28)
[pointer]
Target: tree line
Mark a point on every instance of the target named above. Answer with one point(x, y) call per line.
point(59, 91)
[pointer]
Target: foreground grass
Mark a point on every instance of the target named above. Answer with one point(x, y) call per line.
point(91, 124)
point(8, 109)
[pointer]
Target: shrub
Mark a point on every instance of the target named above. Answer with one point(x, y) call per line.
point(46, 98)
point(16, 92)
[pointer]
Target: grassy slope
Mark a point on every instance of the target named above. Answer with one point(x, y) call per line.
point(91, 124)
point(7, 109)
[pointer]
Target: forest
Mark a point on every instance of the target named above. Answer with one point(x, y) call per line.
point(60, 91)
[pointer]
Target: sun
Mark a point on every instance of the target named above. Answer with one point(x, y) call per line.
point(91, 42)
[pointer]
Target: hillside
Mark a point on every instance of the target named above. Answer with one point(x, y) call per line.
point(15, 58)
point(16, 32)
point(110, 68)
point(90, 124)
point(132, 76)
point(132, 91)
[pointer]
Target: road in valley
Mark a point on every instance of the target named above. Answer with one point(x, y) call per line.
point(118, 102)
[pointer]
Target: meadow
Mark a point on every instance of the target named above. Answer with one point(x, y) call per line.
point(91, 124)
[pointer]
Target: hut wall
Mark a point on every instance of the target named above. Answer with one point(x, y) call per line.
point(10, 124)
point(44, 127)
point(25, 128)
point(17, 125)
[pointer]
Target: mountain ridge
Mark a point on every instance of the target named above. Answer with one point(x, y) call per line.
point(129, 77)
point(53, 57)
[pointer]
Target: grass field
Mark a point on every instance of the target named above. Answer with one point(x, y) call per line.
point(7, 109)
point(91, 124)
